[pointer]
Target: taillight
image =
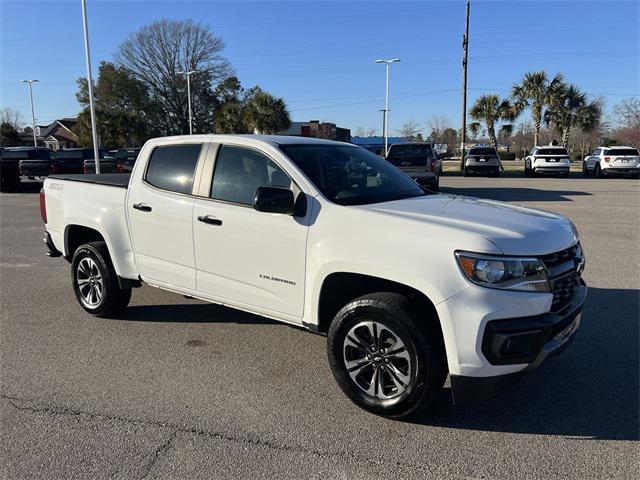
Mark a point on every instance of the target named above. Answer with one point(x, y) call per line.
point(85, 168)
point(53, 168)
point(606, 159)
point(432, 167)
point(43, 206)
point(119, 168)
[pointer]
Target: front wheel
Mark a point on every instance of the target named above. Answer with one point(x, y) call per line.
point(95, 282)
point(383, 359)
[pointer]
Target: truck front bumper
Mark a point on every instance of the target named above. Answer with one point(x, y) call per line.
point(507, 348)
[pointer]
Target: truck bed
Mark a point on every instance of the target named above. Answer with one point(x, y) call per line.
point(120, 180)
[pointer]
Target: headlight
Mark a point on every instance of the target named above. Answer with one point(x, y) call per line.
point(507, 273)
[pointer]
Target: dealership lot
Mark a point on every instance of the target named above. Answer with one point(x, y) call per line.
point(179, 388)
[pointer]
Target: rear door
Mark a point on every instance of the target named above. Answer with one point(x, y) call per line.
point(243, 256)
point(160, 211)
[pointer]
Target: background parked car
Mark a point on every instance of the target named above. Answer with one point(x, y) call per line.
point(72, 160)
point(39, 164)
point(482, 159)
point(551, 159)
point(612, 160)
point(10, 159)
point(126, 159)
point(418, 160)
point(108, 164)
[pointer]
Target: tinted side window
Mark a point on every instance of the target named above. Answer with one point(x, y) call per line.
point(240, 171)
point(172, 167)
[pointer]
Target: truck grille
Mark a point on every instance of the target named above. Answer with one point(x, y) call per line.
point(565, 270)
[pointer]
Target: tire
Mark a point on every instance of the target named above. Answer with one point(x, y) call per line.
point(465, 172)
point(100, 294)
point(597, 171)
point(419, 365)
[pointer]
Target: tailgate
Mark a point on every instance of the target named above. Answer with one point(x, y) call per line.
point(35, 168)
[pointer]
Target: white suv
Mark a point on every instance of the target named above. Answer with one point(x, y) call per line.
point(612, 160)
point(549, 159)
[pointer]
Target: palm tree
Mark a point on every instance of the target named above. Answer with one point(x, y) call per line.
point(536, 92)
point(230, 118)
point(267, 114)
point(474, 130)
point(491, 109)
point(570, 110)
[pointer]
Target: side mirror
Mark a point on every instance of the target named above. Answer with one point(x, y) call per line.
point(274, 200)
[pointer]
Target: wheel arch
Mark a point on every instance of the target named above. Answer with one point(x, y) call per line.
point(339, 288)
point(76, 235)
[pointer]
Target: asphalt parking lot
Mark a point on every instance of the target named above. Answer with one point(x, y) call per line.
point(183, 389)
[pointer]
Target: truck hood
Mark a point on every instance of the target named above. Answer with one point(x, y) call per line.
point(513, 229)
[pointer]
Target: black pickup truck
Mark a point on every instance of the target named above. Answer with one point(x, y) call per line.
point(82, 160)
point(32, 159)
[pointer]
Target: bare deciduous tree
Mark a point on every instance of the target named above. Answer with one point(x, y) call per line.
point(157, 52)
point(12, 117)
point(438, 124)
point(627, 112)
point(410, 129)
point(365, 132)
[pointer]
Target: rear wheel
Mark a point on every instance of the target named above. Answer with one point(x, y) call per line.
point(598, 171)
point(95, 282)
point(382, 360)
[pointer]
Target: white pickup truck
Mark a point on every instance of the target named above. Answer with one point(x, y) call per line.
point(407, 285)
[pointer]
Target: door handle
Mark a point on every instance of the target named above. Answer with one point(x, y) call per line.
point(143, 207)
point(208, 219)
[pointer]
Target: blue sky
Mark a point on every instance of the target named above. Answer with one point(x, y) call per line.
point(319, 55)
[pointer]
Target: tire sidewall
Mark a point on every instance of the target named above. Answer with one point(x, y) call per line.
point(89, 251)
point(414, 342)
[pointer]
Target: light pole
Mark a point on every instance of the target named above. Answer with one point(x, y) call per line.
point(94, 129)
point(188, 74)
point(33, 115)
point(388, 63)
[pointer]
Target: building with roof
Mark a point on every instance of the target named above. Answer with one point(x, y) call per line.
point(57, 135)
point(317, 129)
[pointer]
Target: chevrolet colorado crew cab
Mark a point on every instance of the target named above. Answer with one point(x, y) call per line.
point(407, 285)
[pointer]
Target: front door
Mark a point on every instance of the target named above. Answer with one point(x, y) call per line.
point(160, 212)
point(243, 256)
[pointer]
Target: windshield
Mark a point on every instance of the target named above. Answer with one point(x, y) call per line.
point(552, 151)
point(483, 151)
point(623, 152)
point(349, 175)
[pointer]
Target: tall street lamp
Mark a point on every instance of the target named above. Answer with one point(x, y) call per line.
point(33, 115)
point(388, 63)
point(94, 129)
point(188, 74)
